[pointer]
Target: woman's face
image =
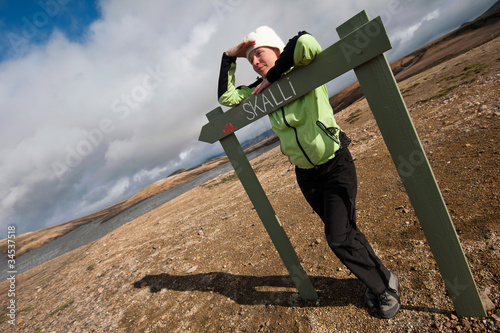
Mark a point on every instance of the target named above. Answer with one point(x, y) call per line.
point(263, 59)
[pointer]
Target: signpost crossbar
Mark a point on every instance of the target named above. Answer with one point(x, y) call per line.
point(339, 58)
point(361, 49)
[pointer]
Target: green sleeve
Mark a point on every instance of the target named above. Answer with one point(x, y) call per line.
point(305, 51)
point(234, 96)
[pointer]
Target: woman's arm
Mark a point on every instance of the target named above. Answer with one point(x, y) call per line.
point(286, 59)
point(228, 94)
point(299, 51)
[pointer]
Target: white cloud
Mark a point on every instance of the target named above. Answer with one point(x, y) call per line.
point(85, 125)
point(408, 33)
point(113, 194)
point(15, 194)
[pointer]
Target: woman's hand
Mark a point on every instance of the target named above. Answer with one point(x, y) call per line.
point(263, 85)
point(239, 50)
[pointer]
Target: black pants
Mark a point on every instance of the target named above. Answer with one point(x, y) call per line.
point(331, 191)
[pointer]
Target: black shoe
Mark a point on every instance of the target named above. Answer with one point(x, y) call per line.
point(389, 301)
point(371, 299)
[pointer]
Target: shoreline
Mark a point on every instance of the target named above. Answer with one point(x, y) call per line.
point(90, 232)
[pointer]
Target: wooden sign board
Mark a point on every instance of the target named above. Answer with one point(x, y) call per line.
point(369, 41)
point(360, 49)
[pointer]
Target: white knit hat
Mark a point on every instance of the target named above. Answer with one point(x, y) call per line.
point(264, 36)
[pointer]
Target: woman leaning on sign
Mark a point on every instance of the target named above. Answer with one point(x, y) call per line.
point(315, 144)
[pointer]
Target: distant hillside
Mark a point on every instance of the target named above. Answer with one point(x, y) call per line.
point(496, 6)
point(34, 239)
point(447, 47)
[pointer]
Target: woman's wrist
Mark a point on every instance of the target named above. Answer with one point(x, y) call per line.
point(225, 55)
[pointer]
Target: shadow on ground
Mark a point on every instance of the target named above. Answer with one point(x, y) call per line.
point(277, 290)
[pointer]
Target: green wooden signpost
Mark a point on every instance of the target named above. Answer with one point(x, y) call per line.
point(361, 49)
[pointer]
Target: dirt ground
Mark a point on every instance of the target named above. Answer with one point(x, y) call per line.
point(203, 262)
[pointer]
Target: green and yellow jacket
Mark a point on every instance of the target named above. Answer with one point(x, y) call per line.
point(306, 127)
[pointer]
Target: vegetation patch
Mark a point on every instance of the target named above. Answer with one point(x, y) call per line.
point(62, 307)
point(354, 116)
point(230, 178)
point(407, 90)
point(468, 75)
point(27, 309)
point(4, 314)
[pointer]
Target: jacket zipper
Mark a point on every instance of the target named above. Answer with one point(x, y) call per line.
point(296, 136)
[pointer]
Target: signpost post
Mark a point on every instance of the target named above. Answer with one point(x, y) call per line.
point(360, 49)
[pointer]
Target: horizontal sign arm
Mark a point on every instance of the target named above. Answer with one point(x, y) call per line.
point(365, 43)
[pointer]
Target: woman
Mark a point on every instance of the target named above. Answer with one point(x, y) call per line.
point(315, 144)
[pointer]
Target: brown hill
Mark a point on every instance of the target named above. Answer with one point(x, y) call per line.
point(447, 47)
point(32, 240)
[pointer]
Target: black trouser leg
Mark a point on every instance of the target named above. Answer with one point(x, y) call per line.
point(331, 191)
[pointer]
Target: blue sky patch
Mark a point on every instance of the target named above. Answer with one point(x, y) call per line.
point(24, 24)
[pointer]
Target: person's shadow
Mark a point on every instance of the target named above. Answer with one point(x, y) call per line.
point(277, 290)
point(246, 290)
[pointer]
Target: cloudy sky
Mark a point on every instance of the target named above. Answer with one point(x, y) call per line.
point(101, 98)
